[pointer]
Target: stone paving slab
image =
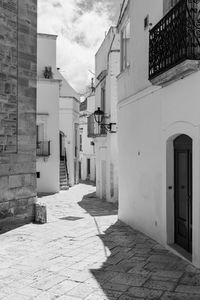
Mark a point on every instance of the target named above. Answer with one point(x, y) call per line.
point(84, 253)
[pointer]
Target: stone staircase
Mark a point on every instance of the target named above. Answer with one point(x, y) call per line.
point(63, 177)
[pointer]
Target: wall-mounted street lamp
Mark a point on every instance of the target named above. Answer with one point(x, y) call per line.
point(99, 119)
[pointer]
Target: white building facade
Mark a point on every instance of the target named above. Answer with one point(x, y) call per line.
point(47, 115)
point(87, 163)
point(106, 70)
point(69, 106)
point(159, 123)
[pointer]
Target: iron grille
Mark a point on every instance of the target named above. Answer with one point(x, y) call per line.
point(43, 148)
point(175, 38)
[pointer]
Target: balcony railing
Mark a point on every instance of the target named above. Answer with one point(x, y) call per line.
point(95, 130)
point(43, 148)
point(175, 38)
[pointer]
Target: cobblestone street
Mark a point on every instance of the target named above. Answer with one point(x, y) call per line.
point(84, 252)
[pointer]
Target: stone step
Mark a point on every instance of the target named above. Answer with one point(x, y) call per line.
point(62, 168)
point(64, 188)
point(63, 177)
point(63, 174)
point(63, 180)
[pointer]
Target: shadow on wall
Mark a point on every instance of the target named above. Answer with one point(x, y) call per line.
point(96, 207)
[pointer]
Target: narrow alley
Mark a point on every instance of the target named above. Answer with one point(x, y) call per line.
point(84, 252)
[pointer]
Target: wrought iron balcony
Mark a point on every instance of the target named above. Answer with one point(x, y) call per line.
point(95, 130)
point(43, 148)
point(174, 43)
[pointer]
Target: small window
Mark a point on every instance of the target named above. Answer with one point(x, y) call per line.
point(40, 133)
point(103, 98)
point(88, 166)
point(76, 139)
point(146, 22)
point(125, 46)
point(38, 174)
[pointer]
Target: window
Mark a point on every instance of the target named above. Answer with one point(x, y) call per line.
point(125, 46)
point(40, 133)
point(81, 143)
point(76, 140)
point(42, 144)
point(88, 167)
point(103, 98)
point(103, 105)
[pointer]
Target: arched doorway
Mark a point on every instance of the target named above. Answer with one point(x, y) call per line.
point(183, 192)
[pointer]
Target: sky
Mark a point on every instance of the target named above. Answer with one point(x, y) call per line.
point(80, 26)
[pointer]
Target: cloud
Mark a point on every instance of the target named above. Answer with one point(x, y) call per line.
point(57, 4)
point(80, 26)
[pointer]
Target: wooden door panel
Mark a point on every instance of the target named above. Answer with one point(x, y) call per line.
point(183, 191)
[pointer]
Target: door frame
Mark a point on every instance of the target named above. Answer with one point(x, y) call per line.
point(183, 144)
point(169, 133)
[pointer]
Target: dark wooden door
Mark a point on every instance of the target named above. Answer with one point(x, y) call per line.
point(79, 170)
point(88, 167)
point(183, 191)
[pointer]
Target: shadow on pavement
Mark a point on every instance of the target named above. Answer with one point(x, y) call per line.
point(87, 182)
point(40, 195)
point(5, 227)
point(136, 267)
point(70, 218)
point(97, 207)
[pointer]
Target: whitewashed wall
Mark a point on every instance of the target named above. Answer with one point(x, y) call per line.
point(46, 49)
point(149, 119)
point(106, 147)
point(69, 105)
point(69, 116)
point(48, 112)
point(88, 150)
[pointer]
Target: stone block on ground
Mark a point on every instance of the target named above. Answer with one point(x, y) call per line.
point(40, 213)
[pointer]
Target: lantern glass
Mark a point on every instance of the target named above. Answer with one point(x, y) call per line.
point(99, 115)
